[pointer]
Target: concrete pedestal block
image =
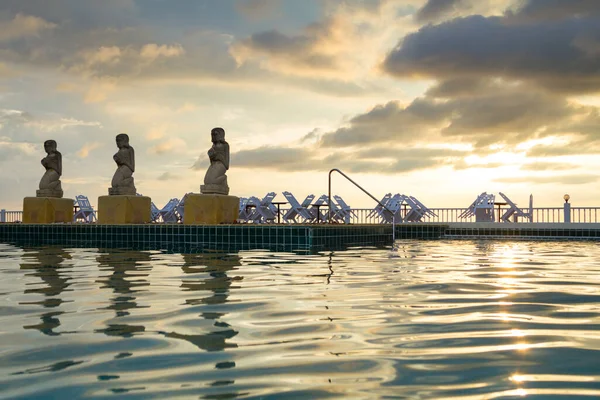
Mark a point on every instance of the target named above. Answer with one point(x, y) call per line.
point(47, 210)
point(210, 209)
point(120, 210)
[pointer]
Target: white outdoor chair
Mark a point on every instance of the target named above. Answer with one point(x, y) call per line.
point(180, 208)
point(334, 211)
point(516, 211)
point(378, 210)
point(394, 208)
point(297, 210)
point(167, 213)
point(251, 205)
point(417, 210)
point(346, 211)
point(482, 208)
point(154, 212)
point(243, 212)
point(263, 211)
point(306, 204)
point(315, 209)
point(85, 211)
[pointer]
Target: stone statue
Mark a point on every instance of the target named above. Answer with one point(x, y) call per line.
point(215, 180)
point(122, 181)
point(50, 183)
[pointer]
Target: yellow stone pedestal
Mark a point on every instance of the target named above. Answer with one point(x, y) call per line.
point(47, 210)
point(210, 209)
point(120, 210)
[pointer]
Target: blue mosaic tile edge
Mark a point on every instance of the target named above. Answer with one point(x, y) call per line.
point(302, 238)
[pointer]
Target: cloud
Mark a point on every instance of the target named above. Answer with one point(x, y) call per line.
point(373, 160)
point(10, 118)
point(9, 149)
point(272, 157)
point(58, 124)
point(85, 150)
point(434, 9)
point(484, 114)
point(116, 61)
point(23, 26)
point(391, 122)
point(553, 10)
point(327, 49)
point(439, 10)
point(168, 176)
point(168, 146)
point(201, 163)
point(102, 55)
point(290, 54)
point(478, 47)
point(555, 179)
point(548, 166)
point(152, 51)
point(581, 146)
point(99, 90)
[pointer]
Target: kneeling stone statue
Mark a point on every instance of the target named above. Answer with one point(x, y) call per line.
point(50, 183)
point(215, 180)
point(122, 181)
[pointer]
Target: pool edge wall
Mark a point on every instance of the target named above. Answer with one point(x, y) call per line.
point(295, 238)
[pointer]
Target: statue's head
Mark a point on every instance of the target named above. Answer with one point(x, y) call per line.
point(217, 135)
point(122, 140)
point(50, 146)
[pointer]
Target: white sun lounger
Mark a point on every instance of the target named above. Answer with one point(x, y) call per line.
point(515, 211)
point(85, 211)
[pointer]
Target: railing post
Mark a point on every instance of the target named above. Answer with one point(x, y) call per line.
point(3, 215)
point(567, 211)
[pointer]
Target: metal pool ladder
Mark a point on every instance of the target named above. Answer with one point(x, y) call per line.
point(369, 194)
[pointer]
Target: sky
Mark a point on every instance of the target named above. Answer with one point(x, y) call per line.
point(438, 99)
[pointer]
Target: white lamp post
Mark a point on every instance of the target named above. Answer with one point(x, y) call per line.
point(567, 206)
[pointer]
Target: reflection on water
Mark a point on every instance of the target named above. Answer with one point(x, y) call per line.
point(426, 319)
point(45, 264)
point(128, 271)
point(207, 278)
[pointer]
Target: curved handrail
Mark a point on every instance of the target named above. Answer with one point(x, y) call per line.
point(364, 190)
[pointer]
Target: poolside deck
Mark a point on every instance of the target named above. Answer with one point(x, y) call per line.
point(303, 238)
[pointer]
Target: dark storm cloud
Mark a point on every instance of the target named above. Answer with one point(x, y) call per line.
point(555, 9)
point(389, 122)
point(484, 114)
point(546, 53)
point(299, 49)
point(434, 9)
point(462, 87)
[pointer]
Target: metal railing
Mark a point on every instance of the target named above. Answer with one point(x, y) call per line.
point(11, 216)
point(443, 215)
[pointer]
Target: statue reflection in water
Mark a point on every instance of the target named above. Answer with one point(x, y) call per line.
point(128, 272)
point(216, 332)
point(217, 266)
point(47, 264)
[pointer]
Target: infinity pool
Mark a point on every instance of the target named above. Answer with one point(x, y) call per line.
point(428, 319)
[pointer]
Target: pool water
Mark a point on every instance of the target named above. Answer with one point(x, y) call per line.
point(427, 319)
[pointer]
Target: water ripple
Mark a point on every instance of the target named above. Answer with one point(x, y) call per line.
point(426, 319)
